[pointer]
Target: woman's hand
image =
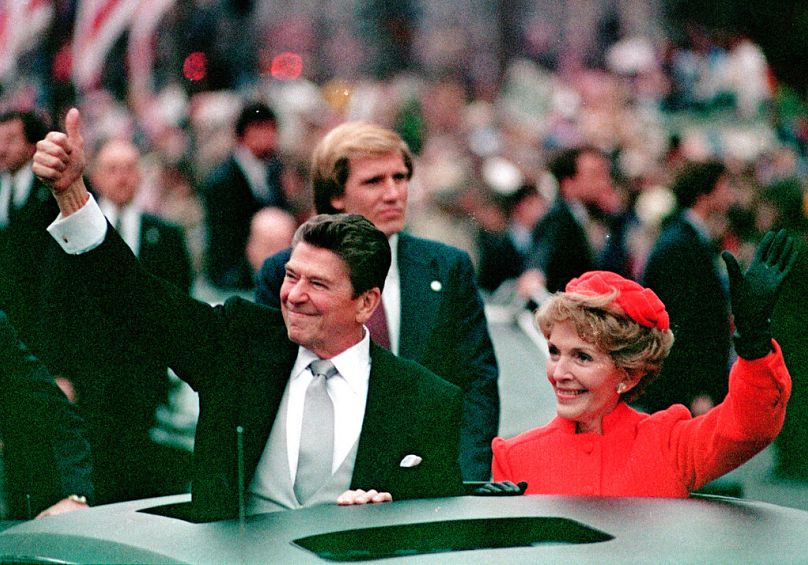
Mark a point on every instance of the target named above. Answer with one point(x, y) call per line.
point(754, 294)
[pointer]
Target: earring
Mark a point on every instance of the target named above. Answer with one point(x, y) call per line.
point(621, 388)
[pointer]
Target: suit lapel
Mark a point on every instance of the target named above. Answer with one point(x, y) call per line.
point(421, 295)
point(269, 373)
point(382, 441)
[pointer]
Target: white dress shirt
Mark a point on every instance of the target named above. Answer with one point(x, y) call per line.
point(391, 296)
point(126, 220)
point(81, 231)
point(348, 391)
point(255, 170)
point(15, 188)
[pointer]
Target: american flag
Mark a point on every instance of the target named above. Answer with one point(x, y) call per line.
point(140, 51)
point(22, 22)
point(99, 23)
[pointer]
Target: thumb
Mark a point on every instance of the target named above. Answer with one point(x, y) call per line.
point(733, 270)
point(73, 127)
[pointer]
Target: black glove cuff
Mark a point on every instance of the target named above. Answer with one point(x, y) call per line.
point(753, 346)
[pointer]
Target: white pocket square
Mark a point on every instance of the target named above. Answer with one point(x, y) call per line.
point(410, 461)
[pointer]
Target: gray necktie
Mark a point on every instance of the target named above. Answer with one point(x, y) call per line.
point(317, 434)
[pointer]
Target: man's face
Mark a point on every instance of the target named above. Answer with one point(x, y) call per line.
point(15, 151)
point(723, 196)
point(261, 138)
point(318, 303)
point(592, 183)
point(377, 188)
point(116, 174)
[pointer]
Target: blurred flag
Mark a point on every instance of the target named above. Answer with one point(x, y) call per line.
point(140, 52)
point(22, 23)
point(99, 24)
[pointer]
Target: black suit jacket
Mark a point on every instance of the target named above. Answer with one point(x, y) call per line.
point(44, 450)
point(683, 270)
point(25, 248)
point(443, 328)
point(238, 357)
point(118, 384)
point(561, 249)
point(164, 252)
point(500, 260)
point(229, 206)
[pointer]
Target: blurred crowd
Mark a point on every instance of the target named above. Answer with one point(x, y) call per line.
point(483, 131)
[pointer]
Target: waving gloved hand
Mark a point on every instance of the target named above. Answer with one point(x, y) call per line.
point(754, 294)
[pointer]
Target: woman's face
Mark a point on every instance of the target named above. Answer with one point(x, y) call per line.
point(583, 377)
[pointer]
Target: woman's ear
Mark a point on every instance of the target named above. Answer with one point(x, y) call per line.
point(630, 380)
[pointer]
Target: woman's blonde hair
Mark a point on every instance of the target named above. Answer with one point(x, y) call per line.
point(599, 321)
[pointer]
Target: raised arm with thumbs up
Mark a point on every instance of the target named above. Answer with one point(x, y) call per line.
point(59, 161)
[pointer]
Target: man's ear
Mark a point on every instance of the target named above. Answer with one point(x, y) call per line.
point(338, 202)
point(367, 302)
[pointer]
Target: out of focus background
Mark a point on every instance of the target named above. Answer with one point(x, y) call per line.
point(485, 93)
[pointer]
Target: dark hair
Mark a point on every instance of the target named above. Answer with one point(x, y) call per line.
point(696, 179)
point(509, 202)
point(565, 164)
point(254, 112)
point(362, 247)
point(34, 125)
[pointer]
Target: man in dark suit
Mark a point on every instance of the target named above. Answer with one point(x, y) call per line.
point(683, 269)
point(503, 255)
point(118, 386)
point(395, 423)
point(250, 179)
point(562, 248)
point(26, 208)
point(46, 458)
point(431, 311)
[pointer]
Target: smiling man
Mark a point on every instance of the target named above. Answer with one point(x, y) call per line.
point(431, 309)
point(392, 426)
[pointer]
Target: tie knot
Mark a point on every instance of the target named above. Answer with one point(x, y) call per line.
point(323, 368)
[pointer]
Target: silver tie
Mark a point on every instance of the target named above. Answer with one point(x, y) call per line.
point(317, 434)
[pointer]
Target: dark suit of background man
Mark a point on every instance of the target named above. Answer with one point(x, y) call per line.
point(249, 363)
point(683, 269)
point(26, 208)
point(564, 246)
point(433, 309)
point(46, 458)
point(118, 385)
point(250, 179)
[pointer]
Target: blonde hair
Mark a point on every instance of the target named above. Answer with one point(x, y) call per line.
point(329, 160)
point(599, 321)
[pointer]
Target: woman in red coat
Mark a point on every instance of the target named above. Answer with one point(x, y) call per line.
point(607, 338)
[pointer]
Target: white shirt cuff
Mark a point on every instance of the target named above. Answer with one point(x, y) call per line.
point(81, 231)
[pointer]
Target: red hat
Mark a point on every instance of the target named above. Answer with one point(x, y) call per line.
point(639, 303)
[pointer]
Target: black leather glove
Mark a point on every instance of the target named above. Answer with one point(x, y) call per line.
point(502, 488)
point(754, 294)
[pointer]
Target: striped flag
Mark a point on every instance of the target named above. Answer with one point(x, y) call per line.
point(22, 23)
point(140, 51)
point(99, 24)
